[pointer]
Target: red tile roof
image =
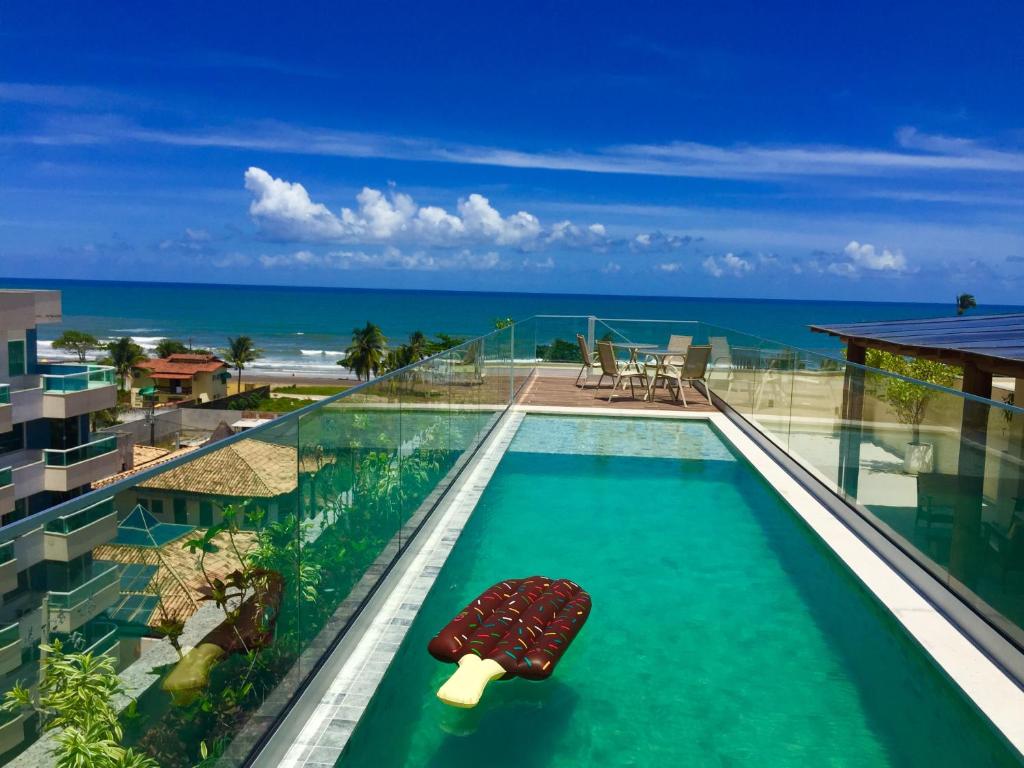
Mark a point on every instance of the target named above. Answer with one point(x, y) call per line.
point(181, 366)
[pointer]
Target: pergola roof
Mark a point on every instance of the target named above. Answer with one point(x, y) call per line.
point(993, 343)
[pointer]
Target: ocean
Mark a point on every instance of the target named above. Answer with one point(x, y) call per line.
point(305, 330)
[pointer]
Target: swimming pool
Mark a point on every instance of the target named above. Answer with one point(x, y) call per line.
point(723, 632)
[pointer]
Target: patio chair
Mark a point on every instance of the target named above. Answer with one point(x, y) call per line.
point(721, 359)
point(679, 344)
point(618, 371)
point(588, 362)
point(694, 369)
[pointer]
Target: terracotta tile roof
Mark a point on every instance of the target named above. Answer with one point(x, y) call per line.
point(178, 577)
point(249, 468)
point(145, 458)
point(181, 366)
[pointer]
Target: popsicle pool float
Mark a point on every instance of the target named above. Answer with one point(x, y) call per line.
point(515, 628)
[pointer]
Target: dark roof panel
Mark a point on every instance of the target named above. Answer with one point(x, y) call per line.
point(995, 337)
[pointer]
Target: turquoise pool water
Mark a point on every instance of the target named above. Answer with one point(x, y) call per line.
point(722, 632)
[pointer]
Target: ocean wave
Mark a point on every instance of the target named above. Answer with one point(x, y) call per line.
point(322, 352)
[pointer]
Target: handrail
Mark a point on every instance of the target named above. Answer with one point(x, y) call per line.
point(89, 587)
point(68, 524)
point(66, 457)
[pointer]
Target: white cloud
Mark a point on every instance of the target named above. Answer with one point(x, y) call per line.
point(659, 241)
point(284, 209)
point(866, 256)
point(611, 268)
point(287, 210)
point(669, 266)
point(387, 259)
point(730, 264)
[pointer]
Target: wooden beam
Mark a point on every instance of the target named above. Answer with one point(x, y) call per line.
point(964, 554)
point(852, 421)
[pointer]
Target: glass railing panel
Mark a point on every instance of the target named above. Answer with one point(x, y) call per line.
point(71, 456)
point(99, 577)
point(9, 634)
point(66, 524)
point(524, 345)
point(6, 476)
point(5, 394)
point(6, 552)
point(62, 379)
point(555, 338)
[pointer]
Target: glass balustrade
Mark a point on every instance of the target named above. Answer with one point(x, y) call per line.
point(66, 378)
point(70, 456)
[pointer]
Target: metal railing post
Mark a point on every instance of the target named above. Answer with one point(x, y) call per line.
point(591, 323)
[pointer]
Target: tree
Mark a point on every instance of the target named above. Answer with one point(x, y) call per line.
point(443, 342)
point(74, 702)
point(406, 354)
point(125, 355)
point(365, 355)
point(500, 323)
point(79, 342)
point(964, 302)
point(168, 347)
point(239, 353)
point(909, 401)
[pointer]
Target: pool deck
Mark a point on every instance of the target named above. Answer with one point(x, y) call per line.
point(561, 391)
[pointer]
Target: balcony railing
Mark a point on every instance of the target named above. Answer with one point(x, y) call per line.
point(9, 634)
point(62, 379)
point(68, 457)
point(6, 476)
point(5, 394)
point(6, 552)
point(66, 524)
point(102, 579)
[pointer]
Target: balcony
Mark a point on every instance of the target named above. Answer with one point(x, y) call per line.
point(72, 390)
point(10, 648)
point(6, 412)
point(74, 467)
point(8, 568)
point(70, 610)
point(95, 637)
point(6, 490)
point(71, 536)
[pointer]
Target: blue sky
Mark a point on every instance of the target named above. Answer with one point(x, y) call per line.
point(719, 149)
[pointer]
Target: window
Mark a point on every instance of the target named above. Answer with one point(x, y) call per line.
point(205, 514)
point(180, 511)
point(16, 358)
point(157, 507)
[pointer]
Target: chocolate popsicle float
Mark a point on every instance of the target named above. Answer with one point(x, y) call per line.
point(515, 628)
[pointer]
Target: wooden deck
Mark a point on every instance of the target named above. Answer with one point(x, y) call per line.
point(562, 391)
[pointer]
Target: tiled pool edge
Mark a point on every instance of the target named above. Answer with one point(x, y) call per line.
point(991, 690)
point(325, 733)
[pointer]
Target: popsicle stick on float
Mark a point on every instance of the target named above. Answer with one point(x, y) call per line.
point(516, 628)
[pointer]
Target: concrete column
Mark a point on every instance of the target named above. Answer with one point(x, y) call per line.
point(852, 421)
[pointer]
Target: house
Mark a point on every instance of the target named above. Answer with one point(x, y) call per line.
point(180, 377)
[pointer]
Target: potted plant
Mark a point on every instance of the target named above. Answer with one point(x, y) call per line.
point(909, 400)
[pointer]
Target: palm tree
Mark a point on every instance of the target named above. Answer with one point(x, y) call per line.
point(125, 355)
point(418, 347)
point(964, 302)
point(239, 352)
point(365, 355)
point(168, 347)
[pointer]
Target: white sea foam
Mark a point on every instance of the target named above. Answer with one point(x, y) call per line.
point(322, 352)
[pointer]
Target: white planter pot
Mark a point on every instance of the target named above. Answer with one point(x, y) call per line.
point(920, 457)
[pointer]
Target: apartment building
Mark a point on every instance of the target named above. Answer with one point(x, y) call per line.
point(50, 584)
